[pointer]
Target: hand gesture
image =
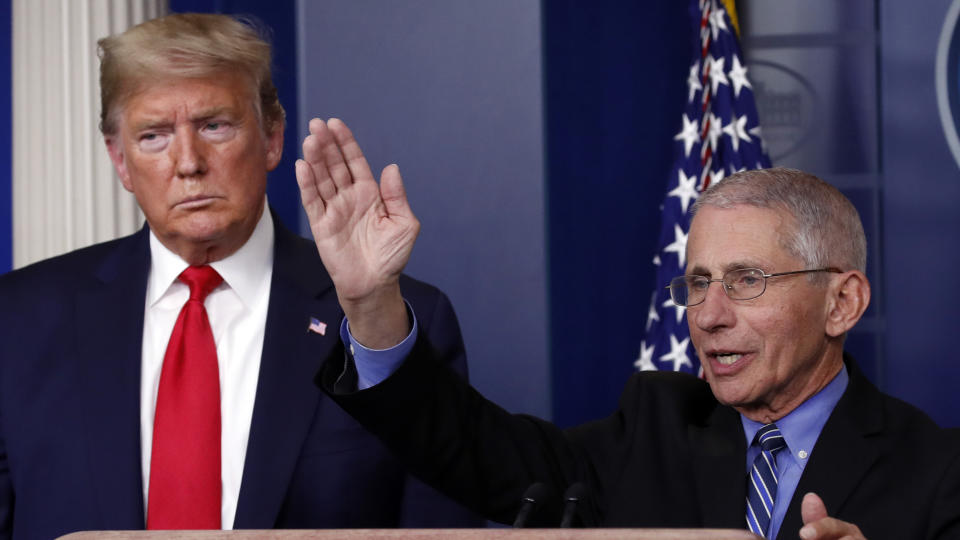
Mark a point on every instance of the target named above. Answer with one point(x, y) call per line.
point(817, 525)
point(364, 232)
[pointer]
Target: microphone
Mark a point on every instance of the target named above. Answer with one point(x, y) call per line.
point(532, 497)
point(571, 497)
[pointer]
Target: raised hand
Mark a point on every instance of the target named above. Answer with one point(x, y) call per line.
point(364, 232)
point(817, 525)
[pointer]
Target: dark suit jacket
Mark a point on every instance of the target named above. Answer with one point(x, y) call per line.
point(70, 345)
point(670, 456)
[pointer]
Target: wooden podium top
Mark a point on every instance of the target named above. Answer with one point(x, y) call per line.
point(425, 534)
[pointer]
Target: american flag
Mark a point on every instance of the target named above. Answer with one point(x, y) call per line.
point(720, 135)
point(317, 326)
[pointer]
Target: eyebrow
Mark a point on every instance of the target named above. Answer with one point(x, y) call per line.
point(164, 121)
point(699, 270)
point(212, 112)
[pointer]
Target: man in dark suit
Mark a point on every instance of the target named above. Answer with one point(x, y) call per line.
point(785, 437)
point(89, 350)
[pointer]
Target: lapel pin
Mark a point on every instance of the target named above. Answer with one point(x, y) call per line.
point(317, 326)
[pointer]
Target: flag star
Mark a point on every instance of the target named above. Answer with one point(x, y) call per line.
point(656, 260)
point(690, 134)
point(679, 309)
point(645, 361)
point(738, 76)
point(686, 190)
point(717, 22)
point(711, 178)
point(693, 81)
point(717, 176)
point(678, 353)
point(652, 314)
point(679, 245)
point(716, 130)
point(736, 129)
point(717, 75)
point(758, 134)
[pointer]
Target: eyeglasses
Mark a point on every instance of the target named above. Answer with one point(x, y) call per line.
point(739, 284)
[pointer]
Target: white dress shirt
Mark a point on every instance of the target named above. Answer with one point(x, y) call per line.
point(237, 310)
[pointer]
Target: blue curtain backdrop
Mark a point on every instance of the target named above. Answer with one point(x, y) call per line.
point(280, 16)
point(615, 83)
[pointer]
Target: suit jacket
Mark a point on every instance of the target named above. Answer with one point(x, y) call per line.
point(70, 346)
point(670, 456)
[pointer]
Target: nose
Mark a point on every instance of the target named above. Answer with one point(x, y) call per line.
point(190, 154)
point(715, 312)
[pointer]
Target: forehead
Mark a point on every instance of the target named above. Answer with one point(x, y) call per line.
point(721, 239)
point(166, 96)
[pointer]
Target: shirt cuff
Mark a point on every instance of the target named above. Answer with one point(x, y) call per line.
point(375, 365)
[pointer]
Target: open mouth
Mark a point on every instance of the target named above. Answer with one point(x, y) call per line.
point(727, 358)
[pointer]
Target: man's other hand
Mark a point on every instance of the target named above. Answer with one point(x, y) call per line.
point(817, 525)
point(364, 232)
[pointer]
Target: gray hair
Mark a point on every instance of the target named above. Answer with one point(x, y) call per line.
point(827, 230)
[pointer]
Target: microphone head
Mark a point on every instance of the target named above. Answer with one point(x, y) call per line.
point(575, 492)
point(536, 493)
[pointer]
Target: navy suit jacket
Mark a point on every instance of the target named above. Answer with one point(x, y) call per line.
point(70, 346)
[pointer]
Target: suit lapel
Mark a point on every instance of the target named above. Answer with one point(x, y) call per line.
point(109, 329)
point(720, 468)
point(843, 454)
point(286, 396)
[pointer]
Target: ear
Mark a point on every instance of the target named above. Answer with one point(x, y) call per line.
point(274, 146)
point(115, 149)
point(847, 301)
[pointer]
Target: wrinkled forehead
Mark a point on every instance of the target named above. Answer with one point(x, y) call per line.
point(240, 85)
point(742, 236)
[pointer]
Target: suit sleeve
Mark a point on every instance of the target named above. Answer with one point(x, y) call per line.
point(450, 436)
point(422, 505)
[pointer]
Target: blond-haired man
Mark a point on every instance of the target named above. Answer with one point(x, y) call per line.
point(127, 404)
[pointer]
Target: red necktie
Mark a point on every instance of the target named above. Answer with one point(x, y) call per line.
point(184, 491)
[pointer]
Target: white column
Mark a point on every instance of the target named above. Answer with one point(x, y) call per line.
point(65, 192)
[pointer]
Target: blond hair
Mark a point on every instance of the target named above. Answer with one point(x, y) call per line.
point(827, 230)
point(186, 45)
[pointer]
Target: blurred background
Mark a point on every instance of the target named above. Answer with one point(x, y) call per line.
point(536, 139)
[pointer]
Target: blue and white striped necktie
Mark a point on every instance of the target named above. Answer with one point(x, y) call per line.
point(762, 479)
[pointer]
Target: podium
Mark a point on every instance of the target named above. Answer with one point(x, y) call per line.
point(424, 534)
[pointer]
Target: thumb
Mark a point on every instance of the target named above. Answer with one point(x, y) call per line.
point(812, 508)
point(392, 192)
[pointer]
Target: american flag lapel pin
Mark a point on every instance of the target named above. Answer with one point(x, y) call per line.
point(317, 326)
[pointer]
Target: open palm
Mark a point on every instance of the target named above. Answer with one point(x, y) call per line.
point(364, 232)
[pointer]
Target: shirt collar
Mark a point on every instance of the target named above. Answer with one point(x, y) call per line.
point(245, 271)
point(802, 426)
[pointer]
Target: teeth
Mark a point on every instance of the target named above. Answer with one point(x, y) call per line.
point(728, 358)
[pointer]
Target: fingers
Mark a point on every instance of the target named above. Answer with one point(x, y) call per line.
point(393, 193)
point(335, 157)
point(357, 168)
point(309, 194)
point(817, 525)
point(812, 508)
point(831, 529)
point(317, 153)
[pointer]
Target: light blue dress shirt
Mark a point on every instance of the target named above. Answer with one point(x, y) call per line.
point(800, 429)
point(375, 365)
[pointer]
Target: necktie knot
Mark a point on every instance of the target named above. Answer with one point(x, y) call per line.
point(770, 439)
point(201, 280)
